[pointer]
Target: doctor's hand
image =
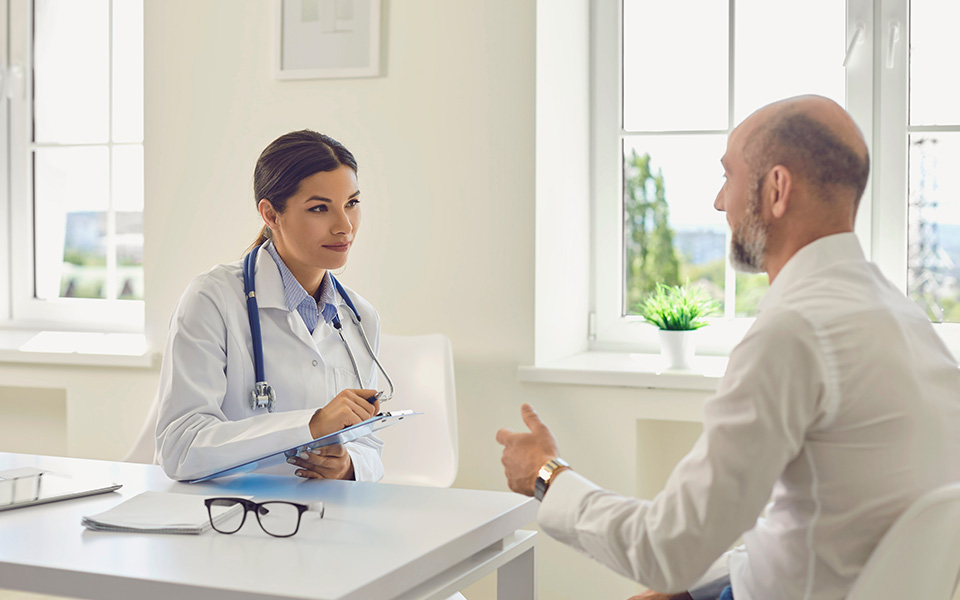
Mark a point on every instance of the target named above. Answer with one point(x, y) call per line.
point(349, 407)
point(525, 453)
point(329, 462)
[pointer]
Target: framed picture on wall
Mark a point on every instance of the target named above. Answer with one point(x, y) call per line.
point(320, 39)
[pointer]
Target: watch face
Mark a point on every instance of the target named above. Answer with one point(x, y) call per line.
point(544, 476)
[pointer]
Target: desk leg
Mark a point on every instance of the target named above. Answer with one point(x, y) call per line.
point(517, 579)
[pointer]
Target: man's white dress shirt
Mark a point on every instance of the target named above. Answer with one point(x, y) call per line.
point(841, 402)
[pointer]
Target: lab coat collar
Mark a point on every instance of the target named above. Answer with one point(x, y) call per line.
point(268, 282)
point(815, 256)
point(270, 294)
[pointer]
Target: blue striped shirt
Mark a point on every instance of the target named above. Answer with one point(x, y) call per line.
point(297, 299)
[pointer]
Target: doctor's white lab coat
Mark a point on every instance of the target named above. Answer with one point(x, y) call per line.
point(206, 423)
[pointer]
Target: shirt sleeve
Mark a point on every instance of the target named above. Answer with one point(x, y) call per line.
point(194, 437)
point(754, 426)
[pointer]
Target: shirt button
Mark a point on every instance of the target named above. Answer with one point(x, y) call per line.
point(314, 363)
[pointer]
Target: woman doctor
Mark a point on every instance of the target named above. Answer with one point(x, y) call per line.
point(305, 185)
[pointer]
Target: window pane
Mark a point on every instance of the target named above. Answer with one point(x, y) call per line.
point(127, 70)
point(675, 65)
point(71, 71)
point(786, 49)
point(934, 49)
point(751, 288)
point(128, 178)
point(128, 204)
point(71, 200)
point(933, 270)
point(672, 233)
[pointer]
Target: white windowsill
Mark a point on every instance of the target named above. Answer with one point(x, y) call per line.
point(627, 370)
point(75, 348)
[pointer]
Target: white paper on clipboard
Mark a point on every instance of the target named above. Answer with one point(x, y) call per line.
point(347, 434)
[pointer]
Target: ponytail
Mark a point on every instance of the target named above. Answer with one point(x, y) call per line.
point(262, 237)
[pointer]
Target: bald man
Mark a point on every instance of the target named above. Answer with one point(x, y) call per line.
point(841, 403)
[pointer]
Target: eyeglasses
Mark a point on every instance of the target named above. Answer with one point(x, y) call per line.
point(276, 517)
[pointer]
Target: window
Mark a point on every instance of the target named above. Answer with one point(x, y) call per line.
point(74, 154)
point(933, 156)
point(689, 72)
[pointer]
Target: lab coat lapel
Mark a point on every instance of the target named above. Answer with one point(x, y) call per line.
point(270, 296)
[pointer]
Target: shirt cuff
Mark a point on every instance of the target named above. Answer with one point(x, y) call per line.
point(561, 506)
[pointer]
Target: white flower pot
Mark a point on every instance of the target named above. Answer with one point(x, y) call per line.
point(677, 348)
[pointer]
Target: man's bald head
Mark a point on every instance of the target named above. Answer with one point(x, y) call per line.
point(815, 139)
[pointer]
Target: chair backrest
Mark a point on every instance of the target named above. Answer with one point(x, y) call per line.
point(425, 449)
point(919, 557)
point(144, 448)
point(421, 451)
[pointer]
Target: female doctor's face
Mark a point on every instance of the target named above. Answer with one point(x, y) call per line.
point(320, 222)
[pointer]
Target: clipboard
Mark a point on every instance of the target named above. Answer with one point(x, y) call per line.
point(28, 486)
point(347, 434)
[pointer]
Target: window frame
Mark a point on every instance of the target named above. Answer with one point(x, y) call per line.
point(5, 90)
point(877, 98)
point(21, 309)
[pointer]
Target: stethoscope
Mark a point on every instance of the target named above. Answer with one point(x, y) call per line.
point(263, 395)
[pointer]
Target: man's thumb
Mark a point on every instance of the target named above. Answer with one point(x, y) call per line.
point(531, 419)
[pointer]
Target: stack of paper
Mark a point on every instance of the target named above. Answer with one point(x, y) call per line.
point(158, 512)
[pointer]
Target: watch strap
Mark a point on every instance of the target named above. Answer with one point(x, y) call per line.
point(545, 475)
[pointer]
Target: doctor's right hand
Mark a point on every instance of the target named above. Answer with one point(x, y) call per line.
point(348, 408)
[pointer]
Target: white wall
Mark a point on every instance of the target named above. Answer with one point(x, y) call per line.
point(445, 140)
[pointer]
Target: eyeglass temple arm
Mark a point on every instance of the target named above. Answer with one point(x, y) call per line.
point(317, 507)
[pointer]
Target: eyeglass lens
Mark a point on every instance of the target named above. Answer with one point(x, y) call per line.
point(281, 519)
point(226, 515)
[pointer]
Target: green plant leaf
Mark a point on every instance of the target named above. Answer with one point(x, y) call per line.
point(677, 308)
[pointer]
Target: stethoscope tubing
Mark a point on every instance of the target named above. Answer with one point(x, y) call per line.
point(355, 315)
point(263, 389)
point(253, 312)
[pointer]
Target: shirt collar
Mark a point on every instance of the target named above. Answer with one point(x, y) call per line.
point(815, 256)
point(294, 294)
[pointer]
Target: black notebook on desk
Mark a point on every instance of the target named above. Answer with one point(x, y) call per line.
point(347, 434)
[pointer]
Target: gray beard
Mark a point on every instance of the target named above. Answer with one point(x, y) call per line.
point(749, 243)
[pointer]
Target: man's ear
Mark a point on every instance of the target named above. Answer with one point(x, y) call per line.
point(779, 183)
point(268, 213)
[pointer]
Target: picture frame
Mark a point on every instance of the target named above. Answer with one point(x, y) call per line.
point(325, 39)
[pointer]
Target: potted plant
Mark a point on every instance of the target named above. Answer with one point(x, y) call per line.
point(678, 312)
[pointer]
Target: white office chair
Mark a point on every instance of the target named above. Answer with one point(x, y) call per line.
point(423, 450)
point(145, 446)
point(919, 557)
point(420, 451)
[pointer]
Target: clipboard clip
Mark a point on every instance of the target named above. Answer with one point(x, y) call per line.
point(396, 413)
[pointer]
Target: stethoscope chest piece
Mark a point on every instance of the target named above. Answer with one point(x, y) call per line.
point(262, 396)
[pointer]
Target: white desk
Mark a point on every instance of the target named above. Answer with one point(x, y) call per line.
point(376, 541)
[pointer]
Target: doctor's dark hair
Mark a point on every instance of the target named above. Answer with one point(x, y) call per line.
point(290, 159)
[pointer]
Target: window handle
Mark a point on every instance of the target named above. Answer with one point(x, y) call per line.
point(893, 36)
point(858, 36)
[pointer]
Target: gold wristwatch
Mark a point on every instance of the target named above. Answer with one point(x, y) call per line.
point(545, 475)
